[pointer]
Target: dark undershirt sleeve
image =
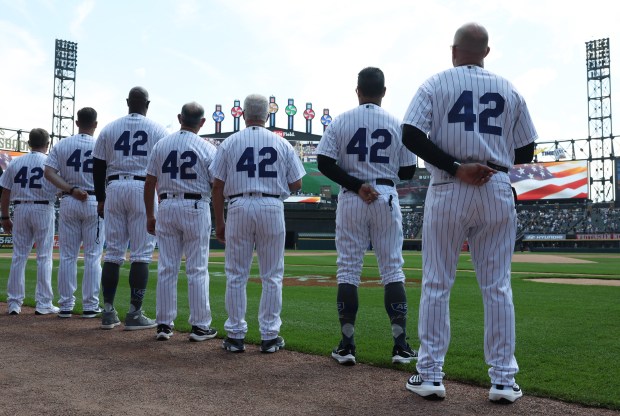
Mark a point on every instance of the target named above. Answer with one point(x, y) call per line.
point(524, 154)
point(416, 141)
point(99, 171)
point(406, 173)
point(328, 167)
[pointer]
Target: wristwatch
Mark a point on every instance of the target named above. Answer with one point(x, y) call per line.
point(455, 167)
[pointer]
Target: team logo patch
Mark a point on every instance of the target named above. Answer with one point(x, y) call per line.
point(400, 307)
point(340, 306)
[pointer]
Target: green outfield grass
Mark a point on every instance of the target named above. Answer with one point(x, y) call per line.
point(568, 336)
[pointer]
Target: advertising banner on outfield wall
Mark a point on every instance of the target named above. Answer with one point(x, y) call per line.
point(6, 241)
point(544, 237)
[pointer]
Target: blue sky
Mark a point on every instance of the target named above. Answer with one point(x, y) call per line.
point(216, 52)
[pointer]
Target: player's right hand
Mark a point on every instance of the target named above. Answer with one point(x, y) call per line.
point(368, 193)
point(80, 194)
point(475, 173)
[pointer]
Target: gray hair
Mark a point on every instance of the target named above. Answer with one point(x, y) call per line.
point(255, 107)
point(191, 114)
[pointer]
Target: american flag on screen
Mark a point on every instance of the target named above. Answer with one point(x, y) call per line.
point(550, 180)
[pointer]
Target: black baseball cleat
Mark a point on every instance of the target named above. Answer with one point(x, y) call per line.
point(198, 334)
point(345, 355)
point(403, 355)
point(272, 345)
point(87, 314)
point(164, 332)
point(64, 314)
point(233, 344)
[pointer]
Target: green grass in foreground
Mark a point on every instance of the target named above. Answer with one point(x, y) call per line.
point(568, 337)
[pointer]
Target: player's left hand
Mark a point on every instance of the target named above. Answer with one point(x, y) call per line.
point(368, 193)
point(80, 194)
point(150, 225)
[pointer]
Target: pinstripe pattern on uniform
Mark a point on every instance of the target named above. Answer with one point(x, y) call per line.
point(430, 105)
point(183, 226)
point(78, 222)
point(358, 224)
point(287, 165)
point(124, 145)
point(249, 221)
point(371, 117)
point(32, 224)
point(72, 158)
point(455, 211)
point(255, 221)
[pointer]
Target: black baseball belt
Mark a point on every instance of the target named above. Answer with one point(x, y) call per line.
point(387, 182)
point(135, 178)
point(88, 192)
point(254, 194)
point(32, 202)
point(185, 196)
point(497, 167)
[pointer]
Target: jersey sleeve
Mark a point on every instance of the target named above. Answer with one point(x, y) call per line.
point(52, 159)
point(328, 145)
point(210, 152)
point(420, 111)
point(524, 132)
point(218, 168)
point(407, 158)
point(99, 150)
point(152, 165)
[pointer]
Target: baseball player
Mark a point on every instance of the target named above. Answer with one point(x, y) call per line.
point(255, 170)
point(470, 126)
point(120, 158)
point(362, 151)
point(33, 222)
point(179, 167)
point(69, 167)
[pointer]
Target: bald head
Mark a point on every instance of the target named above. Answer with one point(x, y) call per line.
point(138, 100)
point(471, 45)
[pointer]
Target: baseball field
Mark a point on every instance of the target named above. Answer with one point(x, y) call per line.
point(568, 335)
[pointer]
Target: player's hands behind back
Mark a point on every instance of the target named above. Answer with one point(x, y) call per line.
point(475, 173)
point(368, 193)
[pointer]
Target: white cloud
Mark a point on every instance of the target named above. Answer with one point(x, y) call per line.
point(82, 11)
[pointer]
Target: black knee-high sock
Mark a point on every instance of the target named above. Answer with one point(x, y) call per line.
point(109, 281)
point(138, 279)
point(347, 311)
point(395, 299)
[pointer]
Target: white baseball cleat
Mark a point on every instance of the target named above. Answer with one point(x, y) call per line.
point(47, 310)
point(499, 393)
point(426, 389)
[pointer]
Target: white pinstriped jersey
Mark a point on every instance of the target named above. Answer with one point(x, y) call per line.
point(473, 115)
point(126, 143)
point(180, 162)
point(73, 160)
point(24, 177)
point(257, 160)
point(366, 143)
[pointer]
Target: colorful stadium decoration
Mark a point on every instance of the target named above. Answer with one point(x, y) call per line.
point(309, 115)
point(218, 117)
point(326, 119)
point(290, 111)
point(236, 112)
point(273, 109)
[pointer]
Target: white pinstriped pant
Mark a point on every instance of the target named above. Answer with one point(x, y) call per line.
point(486, 216)
point(78, 224)
point(125, 217)
point(32, 223)
point(250, 221)
point(183, 227)
point(358, 224)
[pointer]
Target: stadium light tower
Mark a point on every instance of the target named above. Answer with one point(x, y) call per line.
point(64, 89)
point(600, 136)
